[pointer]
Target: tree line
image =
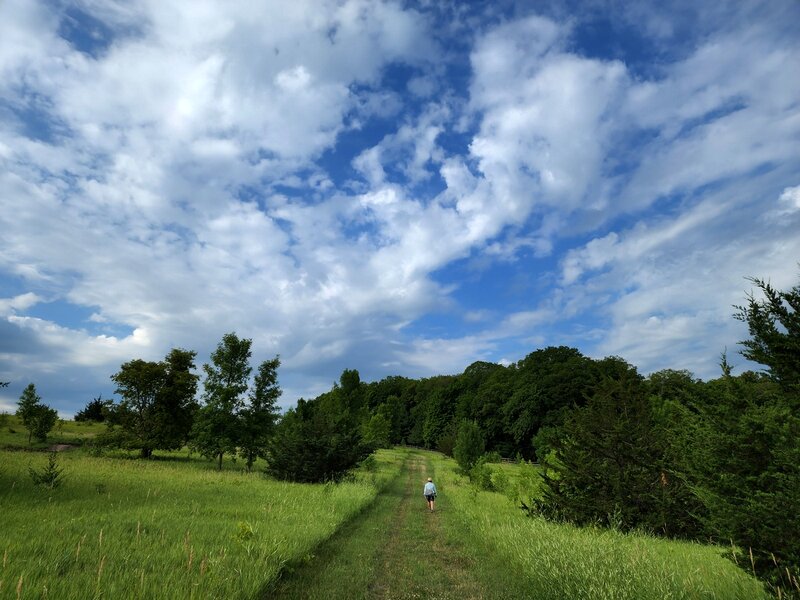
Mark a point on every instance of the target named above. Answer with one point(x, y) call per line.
point(665, 453)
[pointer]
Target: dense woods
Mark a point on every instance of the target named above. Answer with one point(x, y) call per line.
point(664, 453)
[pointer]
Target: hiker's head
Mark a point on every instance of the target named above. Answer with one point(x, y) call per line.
point(429, 479)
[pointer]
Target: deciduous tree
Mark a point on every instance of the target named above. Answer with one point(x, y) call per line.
point(216, 429)
point(258, 418)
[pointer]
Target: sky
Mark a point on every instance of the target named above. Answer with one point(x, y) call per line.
point(402, 188)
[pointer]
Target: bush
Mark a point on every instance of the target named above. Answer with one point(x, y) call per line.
point(481, 476)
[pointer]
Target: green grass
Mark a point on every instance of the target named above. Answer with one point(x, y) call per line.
point(555, 561)
point(157, 529)
point(177, 528)
point(14, 435)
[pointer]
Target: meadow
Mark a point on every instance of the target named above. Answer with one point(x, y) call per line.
point(14, 435)
point(175, 527)
point(155, 529)
point(555, 561)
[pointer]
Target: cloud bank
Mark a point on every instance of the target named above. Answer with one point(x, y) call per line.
point(340, 180)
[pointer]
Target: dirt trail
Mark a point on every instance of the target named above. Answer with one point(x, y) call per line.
point(416, 561)
point(395, 550)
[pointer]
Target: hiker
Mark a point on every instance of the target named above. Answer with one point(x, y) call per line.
point(429, 492)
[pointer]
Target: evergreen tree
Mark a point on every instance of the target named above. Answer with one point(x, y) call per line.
point(610, 463)
point(28, 409)
point(774, 325)
point(321, 439)
point(95, 410)
point(746, 468)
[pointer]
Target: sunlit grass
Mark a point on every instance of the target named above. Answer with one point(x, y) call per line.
point(14, 434)
point(157, 529)
point(558, 561)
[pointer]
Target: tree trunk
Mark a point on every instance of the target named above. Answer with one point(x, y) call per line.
point(219, 467)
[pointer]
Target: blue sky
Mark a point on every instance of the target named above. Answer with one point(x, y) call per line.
point(401, 188)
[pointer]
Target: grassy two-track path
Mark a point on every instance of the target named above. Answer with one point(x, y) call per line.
point(396, 549)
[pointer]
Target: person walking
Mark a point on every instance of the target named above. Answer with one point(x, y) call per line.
point(429, 491)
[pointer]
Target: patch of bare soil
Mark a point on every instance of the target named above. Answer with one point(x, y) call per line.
point(61, 447)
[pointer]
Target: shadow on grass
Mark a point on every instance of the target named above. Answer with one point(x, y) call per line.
point(296, 576)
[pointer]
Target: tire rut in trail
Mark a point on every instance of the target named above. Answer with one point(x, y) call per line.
point(417, 562)
point(345, 564)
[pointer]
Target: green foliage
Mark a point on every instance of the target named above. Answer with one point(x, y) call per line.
point(37, 418)
point(158, 401)
point(217, 429)
point(547, 382)
point(469, 446)
point(96, 410)
point(257, 419)
point(50, 477)
point(377, 431)
point(319, 440)
point(774, 326)
point(27, 408)
point(610, 465)
point(44, 419)
point(745, 464)
point(481, 475)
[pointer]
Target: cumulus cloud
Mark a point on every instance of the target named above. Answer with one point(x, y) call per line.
point(175, 181)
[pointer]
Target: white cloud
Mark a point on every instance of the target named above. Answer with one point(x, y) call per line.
point(790, 200)
point(9, 306)
point(132, 206)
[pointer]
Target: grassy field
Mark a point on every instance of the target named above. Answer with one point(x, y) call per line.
point(177, 528)
point(14, 435)
point(553, 561)
point(157, 529)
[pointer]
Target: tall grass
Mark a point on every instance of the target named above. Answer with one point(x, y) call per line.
point(561, 561)
point(157, 529)
point(14, 434)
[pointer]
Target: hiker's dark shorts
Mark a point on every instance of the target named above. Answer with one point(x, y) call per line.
point(430, 497)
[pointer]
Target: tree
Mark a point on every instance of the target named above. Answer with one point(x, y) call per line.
point(44, 420)
point(258, 419)
point(158, 401)
point(377, 431)
point(29, 403)
point(469, 445)
point(774, 326)
point(176, 403)
point(139, 382)
point(548, 383)
point(216, 428)
point(96, 410)
point(320, 440)
point(36, 417)
point(746, 452)
point(610, 462)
